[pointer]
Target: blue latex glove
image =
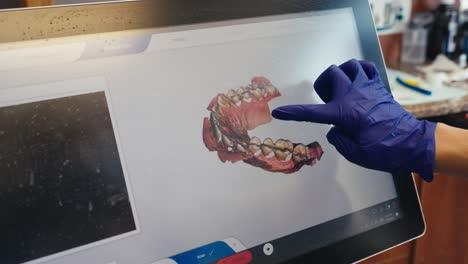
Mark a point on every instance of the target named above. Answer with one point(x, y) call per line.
point(370, 128)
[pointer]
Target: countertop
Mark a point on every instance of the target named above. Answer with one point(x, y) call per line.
point(433, 108)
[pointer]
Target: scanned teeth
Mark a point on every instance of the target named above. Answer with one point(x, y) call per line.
point(284, 144)
point(218, 133)
point(227, 141)
point(280, 143)
point(240, 148)
point(283, 155)
point(288, 158)
point(300, 153)
point(255, 150)
point(240, 90)
point(255, 140)
point(257, 93)
point(268, 142)
point(236, 99)
point(215, 126)
point(267, 151)
point(231, 93)
point(223, 101)
point(298, 157)
point(247, 100)
point(215, 108)
point(300, 149)
point(271, 90)
point(220, 100)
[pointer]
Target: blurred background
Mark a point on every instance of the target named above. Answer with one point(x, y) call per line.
point(425, 46)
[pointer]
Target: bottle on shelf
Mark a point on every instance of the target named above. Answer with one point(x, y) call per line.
point(444, 31)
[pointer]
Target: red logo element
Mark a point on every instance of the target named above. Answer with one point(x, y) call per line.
point(243, 257)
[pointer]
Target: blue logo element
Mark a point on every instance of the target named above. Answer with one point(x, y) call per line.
point(204, 254)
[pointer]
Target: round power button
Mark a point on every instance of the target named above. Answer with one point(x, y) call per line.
point(268, 249)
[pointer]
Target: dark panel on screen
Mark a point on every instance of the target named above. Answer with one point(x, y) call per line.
point(61, 179)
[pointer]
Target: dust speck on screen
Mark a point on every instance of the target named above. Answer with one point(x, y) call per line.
point(62, 183)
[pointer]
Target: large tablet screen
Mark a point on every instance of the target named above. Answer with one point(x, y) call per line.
point(161, 148)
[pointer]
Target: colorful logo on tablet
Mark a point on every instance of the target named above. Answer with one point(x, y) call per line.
point(234, 113)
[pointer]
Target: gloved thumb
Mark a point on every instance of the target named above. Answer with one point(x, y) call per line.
point(317, 113)
point(344, 144)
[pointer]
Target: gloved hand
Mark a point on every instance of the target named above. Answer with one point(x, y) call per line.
point(370, 128)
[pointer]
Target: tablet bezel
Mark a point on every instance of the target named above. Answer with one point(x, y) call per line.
point(39, 24)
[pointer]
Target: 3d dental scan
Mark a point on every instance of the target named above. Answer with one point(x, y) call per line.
point(236, 112)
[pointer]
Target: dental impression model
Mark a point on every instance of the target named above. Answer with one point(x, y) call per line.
point(236, 112)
